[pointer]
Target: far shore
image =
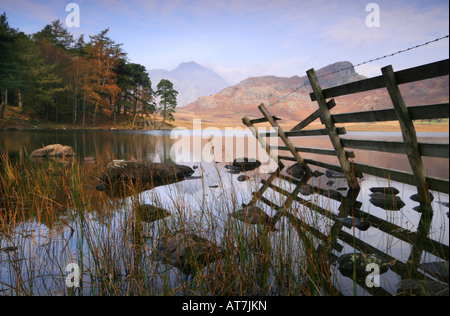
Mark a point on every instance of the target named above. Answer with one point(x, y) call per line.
point(354, 127)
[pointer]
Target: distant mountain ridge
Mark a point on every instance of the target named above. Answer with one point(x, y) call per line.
point(242, 99)
point(191, 80)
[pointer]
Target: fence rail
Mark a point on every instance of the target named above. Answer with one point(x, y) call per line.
point(352, 169)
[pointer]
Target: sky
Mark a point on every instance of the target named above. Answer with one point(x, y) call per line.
point(244, 38)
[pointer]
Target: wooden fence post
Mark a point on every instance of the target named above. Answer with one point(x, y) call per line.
point(331, 128)
point(409, 137)
point(284, 138)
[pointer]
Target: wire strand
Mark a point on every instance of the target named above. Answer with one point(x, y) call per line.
point(363, 63)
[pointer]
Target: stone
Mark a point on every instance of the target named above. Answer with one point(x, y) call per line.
point(317, 173)
point(297, 171)
point(357, 262)
point(246, 164)
point(54, 151)
point(334, 174)
point(438, 270)
point(385, 190)
point(306, 189)
point(349, 222)
point(145, 175)
point(186, 251)
point(149, 213)
point(243, 178)
point(255, 216)
point(388, 202)
point(415, 197)
point(422, 288)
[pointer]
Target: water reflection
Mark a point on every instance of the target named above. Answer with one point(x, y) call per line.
point(204, 202)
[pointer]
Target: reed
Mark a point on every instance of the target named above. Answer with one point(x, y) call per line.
point(51, 216)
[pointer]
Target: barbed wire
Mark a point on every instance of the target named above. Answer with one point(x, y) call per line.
point(363, 63)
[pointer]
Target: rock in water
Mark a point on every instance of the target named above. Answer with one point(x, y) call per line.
point(422, 288)
point(150, 213)
point(147, 175)
point(357, 262)
point(246, 164)
point(415, 197)
point(385, 190)
point(360, 224)
point(334, 174)
point(57, 151)
point(186, 251)
point(297, 171)
point(243, 178)
point(255, 216)
point(438, 270)
point(388, 202)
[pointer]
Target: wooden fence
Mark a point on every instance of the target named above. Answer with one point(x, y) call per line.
point(349, 206)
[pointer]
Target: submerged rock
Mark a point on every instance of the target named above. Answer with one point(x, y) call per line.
point(388, 202)
point(438, 270)
point(332, 194)
point(233, 170)
point(306, 189)
point(243, 178)
point(297, 171)
point(317, 173)
point(246, 164)
point(422, 288)
point(334, 174)
point(150, 213)
point(357, 262)
point(56, 151)
point(415, 197)
point(146, 175)
point(385, 190)
point(255, 216)
point(186, 251)
point(349, 222)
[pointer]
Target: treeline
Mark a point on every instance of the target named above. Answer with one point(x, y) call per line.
point(52, 76)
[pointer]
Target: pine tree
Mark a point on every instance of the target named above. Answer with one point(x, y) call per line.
point(168, 101)
point(8, 69)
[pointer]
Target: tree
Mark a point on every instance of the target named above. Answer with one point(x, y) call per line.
point(168, 101)
point(106, 55)
point(56, 34)
point(8, 69)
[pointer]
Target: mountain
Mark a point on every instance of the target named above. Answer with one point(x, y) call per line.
point(191, 80)
point(235, 102)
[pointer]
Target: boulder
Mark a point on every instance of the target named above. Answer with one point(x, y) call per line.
point(415, 197)
point(243, 178)
point(349, 222)
point(255, 216)
point(388, 202)
point(149, 213)
point(147, 175)
point(297, 171)
point(422, 288)
point(357, 262)
point(246, 164)
point(385, 190)
point(186, 251)
point(334, 174)
point(56, 151)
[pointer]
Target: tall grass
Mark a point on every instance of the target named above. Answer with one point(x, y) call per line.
point(51, 216)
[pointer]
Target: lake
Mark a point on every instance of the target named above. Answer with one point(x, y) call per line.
point(204, 202)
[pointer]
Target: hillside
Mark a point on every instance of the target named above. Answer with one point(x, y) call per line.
point(233, 103)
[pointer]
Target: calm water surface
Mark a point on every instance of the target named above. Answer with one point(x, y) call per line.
point(211, 152)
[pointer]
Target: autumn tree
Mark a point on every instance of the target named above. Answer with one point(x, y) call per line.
point(168, 101)
point(105, 55)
